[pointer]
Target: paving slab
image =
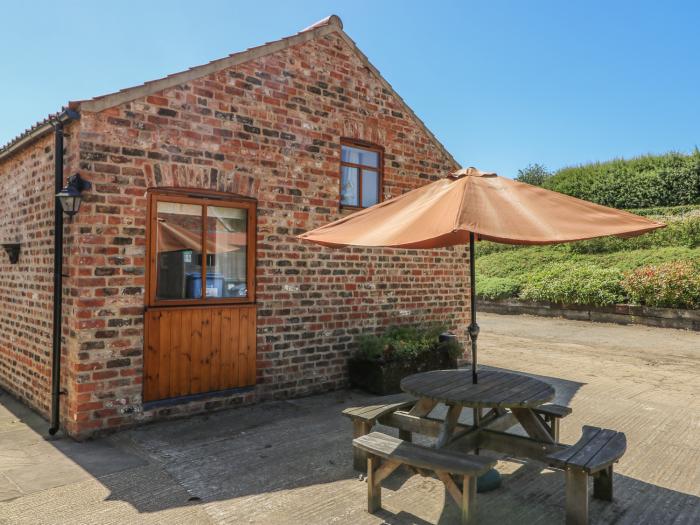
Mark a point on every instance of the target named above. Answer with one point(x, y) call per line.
point(289, 462)
point(31, 461)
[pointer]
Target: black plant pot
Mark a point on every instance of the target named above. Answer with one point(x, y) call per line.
point(384, 377)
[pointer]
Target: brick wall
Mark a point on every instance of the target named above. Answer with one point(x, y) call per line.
point(26, 288)
point(268, 129)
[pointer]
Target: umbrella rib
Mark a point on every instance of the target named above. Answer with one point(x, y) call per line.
point(459, 208)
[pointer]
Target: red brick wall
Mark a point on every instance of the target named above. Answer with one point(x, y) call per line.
point(268, 129)
point(26, 288)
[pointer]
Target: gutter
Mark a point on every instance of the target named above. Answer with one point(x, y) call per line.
point(37, 131)
point(57, 125)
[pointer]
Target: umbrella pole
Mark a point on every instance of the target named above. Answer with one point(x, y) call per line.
point(473, 328)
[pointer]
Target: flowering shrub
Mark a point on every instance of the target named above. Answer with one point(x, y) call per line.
point(673, 285)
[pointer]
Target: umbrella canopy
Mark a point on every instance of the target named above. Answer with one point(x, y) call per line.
point(470, 204)
point(494, 208)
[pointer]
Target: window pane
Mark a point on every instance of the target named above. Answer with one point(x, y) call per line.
point(349, 186)
point(178, 251)
point(369, 158)
point(359, 156)
point(227, 241)
point(349, 154)
point(370, 188)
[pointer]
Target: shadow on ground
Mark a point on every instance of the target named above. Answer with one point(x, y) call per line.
point(283, 462)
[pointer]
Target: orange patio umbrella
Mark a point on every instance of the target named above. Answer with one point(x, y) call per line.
point(469, 205)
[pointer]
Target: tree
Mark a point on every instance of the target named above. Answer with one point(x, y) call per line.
point(534, 174)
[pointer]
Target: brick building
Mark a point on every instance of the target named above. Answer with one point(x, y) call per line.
point(184, 287)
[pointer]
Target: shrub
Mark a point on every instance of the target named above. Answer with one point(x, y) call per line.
point(668, 211)
point(672, 179)
point(534, 174)
point(571, 283)
point(486, 247)
point(680, 232)
point(672, 285)
point(406, 343)
point(497, 287)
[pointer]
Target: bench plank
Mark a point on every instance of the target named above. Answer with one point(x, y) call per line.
point(597, 449)
point(553, 410)
point(393, 449)
point(609, 454)
point(371, 413)
point(593, 455)
point(560, 458)
point(595, 445)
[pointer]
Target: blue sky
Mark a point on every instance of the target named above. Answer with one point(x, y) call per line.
point(502, 84)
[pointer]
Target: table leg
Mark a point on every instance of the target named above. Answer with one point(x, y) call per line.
point(476, 415)
point(532, 424)
point(448, 426)
point(359, 457)
point(423, 407)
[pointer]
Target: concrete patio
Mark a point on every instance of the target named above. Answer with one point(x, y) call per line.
point(289, 462)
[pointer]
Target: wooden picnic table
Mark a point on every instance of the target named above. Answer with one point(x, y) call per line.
point(511, 398)
point(508, 399)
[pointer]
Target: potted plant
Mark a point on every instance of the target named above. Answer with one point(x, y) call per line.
point(382, 360)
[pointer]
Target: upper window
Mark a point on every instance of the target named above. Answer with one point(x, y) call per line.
point(201, 250)
point(360, 175)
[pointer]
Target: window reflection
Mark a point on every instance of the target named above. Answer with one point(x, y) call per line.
point(178, 251)
point(359, 176)
point(226, 245)
point(350, 188)
point(359, 156)
point(370, 188)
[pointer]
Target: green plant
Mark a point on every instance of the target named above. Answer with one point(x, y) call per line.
point(535, 174)
point(571, 283)
point(673, 285)
point(678, 232)
point(672, 179)
point(667, 211)
point(370, 346)
point(407, 343)
point(487, 247)
point(497, 287)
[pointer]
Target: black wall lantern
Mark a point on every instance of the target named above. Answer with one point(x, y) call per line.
point(69, 196)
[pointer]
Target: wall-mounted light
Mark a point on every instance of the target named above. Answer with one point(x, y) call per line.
point(69, 196)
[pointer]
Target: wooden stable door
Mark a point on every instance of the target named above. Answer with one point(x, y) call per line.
point(196, 350)
point(200, 321)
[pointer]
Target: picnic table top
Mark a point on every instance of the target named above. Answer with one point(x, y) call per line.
point(494, 389)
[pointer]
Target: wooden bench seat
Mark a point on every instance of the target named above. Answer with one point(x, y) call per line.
point(551, 415)
point(365, 417)
point(593, 455)
point(386, 453)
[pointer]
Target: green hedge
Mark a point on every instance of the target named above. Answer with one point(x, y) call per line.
point(668, 211)
point(672, 179)
point(571, 283)
point(661, 268)
point(682, 232)
point(497, 287)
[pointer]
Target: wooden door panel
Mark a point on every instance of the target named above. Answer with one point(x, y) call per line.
point(205, 350)
point(199, 349)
